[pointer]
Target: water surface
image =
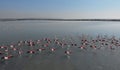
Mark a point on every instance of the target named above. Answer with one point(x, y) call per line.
point(13, 31)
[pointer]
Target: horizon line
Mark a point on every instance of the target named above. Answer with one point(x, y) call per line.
point(56, 19)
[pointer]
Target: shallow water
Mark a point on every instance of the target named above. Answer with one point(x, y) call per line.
point(104, 59)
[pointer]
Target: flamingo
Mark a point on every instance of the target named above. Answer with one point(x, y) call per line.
point(6, 57)
point(68, 52)
point(53, 49)
point(31, 51)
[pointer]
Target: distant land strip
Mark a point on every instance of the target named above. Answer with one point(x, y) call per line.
point(23, 19)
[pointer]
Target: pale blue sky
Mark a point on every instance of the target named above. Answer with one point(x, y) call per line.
point(59, 8)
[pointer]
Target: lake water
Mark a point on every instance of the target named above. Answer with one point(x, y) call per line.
point(17, 30)
point(13, 31)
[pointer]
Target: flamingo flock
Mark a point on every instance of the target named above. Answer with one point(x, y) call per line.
point(28, 47)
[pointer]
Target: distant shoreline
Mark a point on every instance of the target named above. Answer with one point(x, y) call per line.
point(24, 19)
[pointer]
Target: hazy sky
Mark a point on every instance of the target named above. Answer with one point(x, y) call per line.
point(59, 8)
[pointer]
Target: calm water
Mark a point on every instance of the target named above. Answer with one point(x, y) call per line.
point(13, 31)
point(19, 30)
